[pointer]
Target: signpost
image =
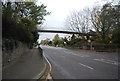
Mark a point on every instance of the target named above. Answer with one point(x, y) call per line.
point(90, 44)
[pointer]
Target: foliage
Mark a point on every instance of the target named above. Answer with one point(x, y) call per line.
point(116, 26)
point(116, 36)
point(56, 39)
point(50, 43)
point(45, 42)
point(61, 42)
point(103, 21)
point(20, 20)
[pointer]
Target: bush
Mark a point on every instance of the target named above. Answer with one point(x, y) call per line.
point(61, 45)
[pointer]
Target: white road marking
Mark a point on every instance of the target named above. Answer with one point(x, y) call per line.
point(86, 66)
point(71, 53)
point(107, 61)
point(63, 56)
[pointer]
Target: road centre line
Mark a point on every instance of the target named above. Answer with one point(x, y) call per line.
point(80, 55)
point(86, 66)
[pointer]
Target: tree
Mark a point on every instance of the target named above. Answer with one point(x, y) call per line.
point(72, 41)
point(102, 20)
point(56, 39)
point(78, 21)
point(20, 19)
point(116, 26)
point(46, 41)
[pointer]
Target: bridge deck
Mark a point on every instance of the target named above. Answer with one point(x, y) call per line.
point(66, 32)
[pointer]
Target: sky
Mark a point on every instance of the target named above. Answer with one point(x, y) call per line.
point(60, 9)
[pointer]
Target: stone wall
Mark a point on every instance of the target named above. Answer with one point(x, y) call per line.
point(12, 49)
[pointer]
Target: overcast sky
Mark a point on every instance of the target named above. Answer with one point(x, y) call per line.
point(60, 9)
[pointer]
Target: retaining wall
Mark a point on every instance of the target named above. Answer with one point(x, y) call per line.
point(12, 49)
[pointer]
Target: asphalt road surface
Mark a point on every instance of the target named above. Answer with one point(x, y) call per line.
point(76, 64)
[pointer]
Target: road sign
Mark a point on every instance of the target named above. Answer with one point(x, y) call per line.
point(89, 41)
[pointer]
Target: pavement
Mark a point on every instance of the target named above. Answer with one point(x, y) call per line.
point(76, 64)
point(29, 66)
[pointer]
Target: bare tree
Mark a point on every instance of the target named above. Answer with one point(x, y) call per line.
point(78, 21)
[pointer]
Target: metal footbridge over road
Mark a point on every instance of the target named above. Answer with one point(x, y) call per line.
point(66, 32)
point(88, 35)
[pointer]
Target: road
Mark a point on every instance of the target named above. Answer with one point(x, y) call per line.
point(76, 64)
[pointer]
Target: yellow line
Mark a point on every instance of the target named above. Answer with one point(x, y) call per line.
point(48, 76)
point(49, 66)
